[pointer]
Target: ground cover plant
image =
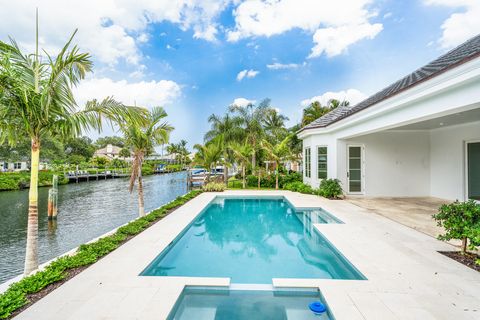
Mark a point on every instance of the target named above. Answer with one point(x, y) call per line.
point(30, 289)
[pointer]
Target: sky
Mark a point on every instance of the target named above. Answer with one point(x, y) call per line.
point(197, 57)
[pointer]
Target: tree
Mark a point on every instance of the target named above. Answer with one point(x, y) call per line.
point(81, 146)
point(229, 128)
point(242, 153)
point(315, 110)
point(251, 118)
point(124, 153)
point(143, 138)
point(209, 155)
point(114, 141)
point(277, 153)
point(274, 125)
point(36, 101)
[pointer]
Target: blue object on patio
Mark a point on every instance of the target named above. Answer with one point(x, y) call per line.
point(317, 307)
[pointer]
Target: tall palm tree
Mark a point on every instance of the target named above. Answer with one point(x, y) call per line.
point(209, 155)
point(242, 153)
point(251, 118)
point(274, 125)
point(172, 149)
point(142, 139)
point(277, 153)
point(36, 101)
point(182, 149)
point(315, 110)
point(230, 129)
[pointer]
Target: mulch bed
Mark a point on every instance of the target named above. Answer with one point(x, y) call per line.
point(467, 259)
point(34, 297)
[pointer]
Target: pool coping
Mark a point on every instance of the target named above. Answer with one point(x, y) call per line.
point(113, 289)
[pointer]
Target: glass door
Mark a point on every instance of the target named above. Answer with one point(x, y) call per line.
point(473, 170)
point(354, 172)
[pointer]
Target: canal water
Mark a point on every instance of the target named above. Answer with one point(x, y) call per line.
point(85, 211)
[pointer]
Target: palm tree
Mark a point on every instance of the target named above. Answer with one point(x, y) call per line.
point(230, 129)
point(242, 154)
point(274, 124)
point(182, 149)
point(277, 153)
point(209, 155)
point(172, 149)
point(36, 101)
point(315, 110)
point(251, 118)
point(143, 138)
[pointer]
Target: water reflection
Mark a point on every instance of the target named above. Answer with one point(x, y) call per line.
point(253, 241)
point(86, 210)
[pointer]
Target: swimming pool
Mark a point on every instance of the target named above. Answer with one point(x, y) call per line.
point(221, 304)
point(252, 240)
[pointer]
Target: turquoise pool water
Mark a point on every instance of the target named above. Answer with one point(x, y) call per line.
point(220, 304)
point(252, 241)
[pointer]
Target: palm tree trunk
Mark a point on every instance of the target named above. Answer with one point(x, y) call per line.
point(276, 176)
point(225, 174)
point(31, 256)
point(243, 177)
point(141, 205)
point(254, 161)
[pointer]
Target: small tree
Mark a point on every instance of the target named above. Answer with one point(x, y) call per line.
point(461, 220)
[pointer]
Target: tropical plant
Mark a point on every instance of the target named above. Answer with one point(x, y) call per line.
point(214, 187)
point(209, 155)
point(330, 188)
point(124, 153)
point(251, 118)
point(230, 129)
point(36, 100)
point(242, 154)
point(142, 139)
point(274, 125)
point(315, 110)
point(461, 220)
point(277, 153)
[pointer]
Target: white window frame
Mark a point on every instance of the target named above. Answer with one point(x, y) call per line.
point(326, 163)
point(465, 169)
point(362, 169)
point(308, 164)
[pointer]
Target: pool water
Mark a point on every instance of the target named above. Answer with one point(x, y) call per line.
point(221, 304)
point(252, 240)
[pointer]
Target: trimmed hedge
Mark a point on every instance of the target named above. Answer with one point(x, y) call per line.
point(16, 295)
point(214, 187)
point(21, 180)
point(268, 181)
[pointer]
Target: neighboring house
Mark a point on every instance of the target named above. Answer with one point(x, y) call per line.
point(13, 166)
point(418, 137)
point(110, 152)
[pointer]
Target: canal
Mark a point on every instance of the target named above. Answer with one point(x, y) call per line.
point(85, 211)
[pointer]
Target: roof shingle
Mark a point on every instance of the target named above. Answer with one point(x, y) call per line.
point(461, 54)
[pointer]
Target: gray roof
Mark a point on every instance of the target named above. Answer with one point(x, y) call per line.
point(461, 54)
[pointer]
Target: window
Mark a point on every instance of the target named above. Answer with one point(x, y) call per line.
point(308, 164)
point(17, 165)
point(322, 163)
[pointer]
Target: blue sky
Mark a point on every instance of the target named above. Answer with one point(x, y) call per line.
point(188, 56)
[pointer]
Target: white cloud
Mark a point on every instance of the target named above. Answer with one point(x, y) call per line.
point(335, 40)
point(111, 30)
point(353, 96)
point(142, 93)
point(242, 102)
point(268, 18)
point(280, 66)
point(247, 74)
point(460, 26)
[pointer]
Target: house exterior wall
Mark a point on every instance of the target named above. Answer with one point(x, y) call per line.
point(447, 159)
point(396, 163)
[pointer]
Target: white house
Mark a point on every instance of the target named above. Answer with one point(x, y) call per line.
point(109, 151)
point(419, 136)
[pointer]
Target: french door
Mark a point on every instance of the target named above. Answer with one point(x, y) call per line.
point(473, 170)
point(355, 169)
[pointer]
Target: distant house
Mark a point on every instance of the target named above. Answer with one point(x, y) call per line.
point(420, 136)
point(110, 152)
point(7, 166)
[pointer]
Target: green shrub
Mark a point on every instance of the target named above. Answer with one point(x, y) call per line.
point(147, 170)
point(331, 189)
point(16, 295)
point(461, 220)
point(214, 187)
point(298, 186)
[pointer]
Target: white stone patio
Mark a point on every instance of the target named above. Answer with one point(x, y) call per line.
point(407, 278)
